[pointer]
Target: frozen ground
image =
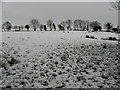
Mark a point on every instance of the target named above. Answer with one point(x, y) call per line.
point(57, 59)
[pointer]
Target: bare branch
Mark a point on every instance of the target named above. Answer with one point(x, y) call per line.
point(116, 5)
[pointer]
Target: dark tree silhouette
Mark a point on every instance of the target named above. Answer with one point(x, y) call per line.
point(108, 26)
point(115, 30)
point(88, 25)
point(94, 25)
point(45, 28)
point(100, 28)
point(7, 26)
point(34, 23)
point(27, 27)
point(118, 27)
point(19, 28)
point(61, 28)
point(54, 27)
point(41, 27)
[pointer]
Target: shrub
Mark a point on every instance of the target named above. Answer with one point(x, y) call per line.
point(110, 38)
point(87, 36)
point(114, 38)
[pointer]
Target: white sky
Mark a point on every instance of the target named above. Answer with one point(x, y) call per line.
point(20, 13)
point(58, 0)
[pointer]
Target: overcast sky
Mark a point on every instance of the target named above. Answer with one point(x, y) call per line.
point(20, 13)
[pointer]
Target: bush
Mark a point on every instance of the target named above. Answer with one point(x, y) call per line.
point(110, 38)
point(87, 36)
point(114, 38)
point(92, 37)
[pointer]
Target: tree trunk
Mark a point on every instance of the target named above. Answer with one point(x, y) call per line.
point(50, 29)
point(34, 29)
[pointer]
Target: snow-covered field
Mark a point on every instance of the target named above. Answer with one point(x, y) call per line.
point(57, 59)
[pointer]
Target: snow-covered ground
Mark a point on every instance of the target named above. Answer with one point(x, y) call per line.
point(73, 36)
point(57, 59)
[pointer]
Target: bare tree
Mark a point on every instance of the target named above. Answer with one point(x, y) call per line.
point(19, 28)
point(15, 27)
point(34, 23)
point(76, 25)
point(3, 27)
point(50, 24)
point(44, 27)
point(62, 25)
point(41, 27)
point(87, 25)
point(80, 24)
point(7, 26)
point(83, 25)
point(68, 24)
point(95, 25)
point(108, 26)
point(54, 26)
point(22, 27)
point(116, 5)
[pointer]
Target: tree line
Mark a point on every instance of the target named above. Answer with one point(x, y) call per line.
point(76, 25)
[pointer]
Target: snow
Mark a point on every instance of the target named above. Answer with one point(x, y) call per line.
point(63, 56)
